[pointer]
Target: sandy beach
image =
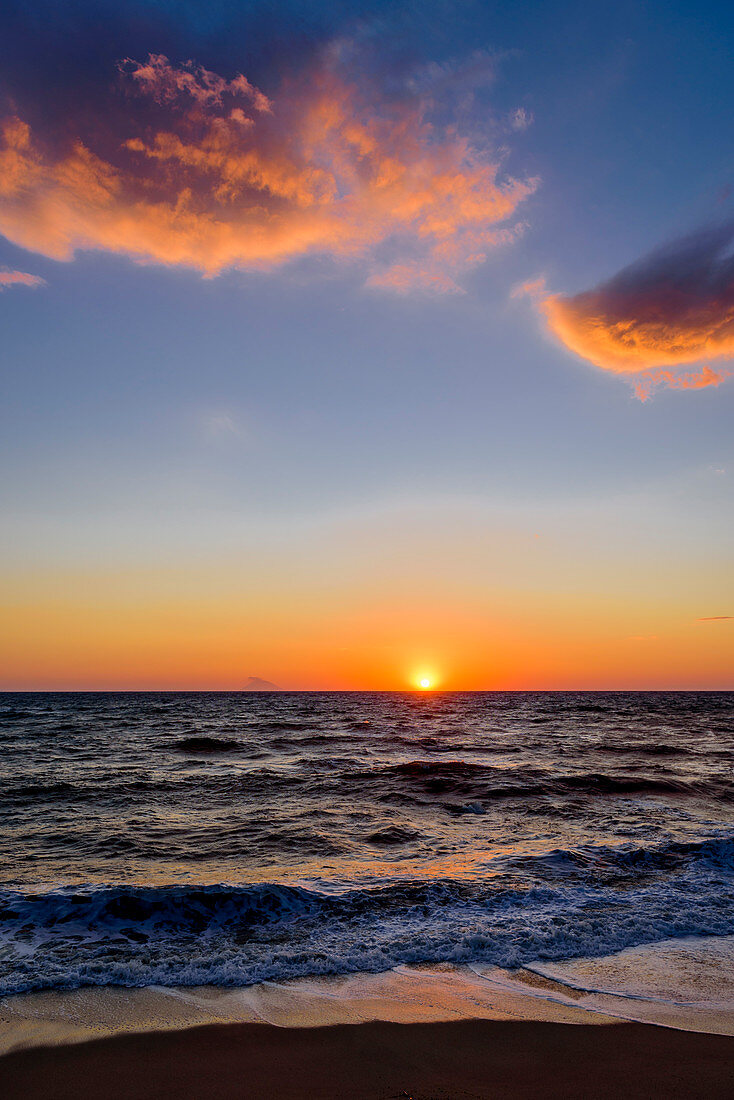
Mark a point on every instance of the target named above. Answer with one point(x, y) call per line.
point(423, 1032)
point(463, 1059)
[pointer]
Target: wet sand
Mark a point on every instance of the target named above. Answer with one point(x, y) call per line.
point(648, 1022)
point(460, 1059)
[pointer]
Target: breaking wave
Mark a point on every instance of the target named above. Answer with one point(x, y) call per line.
point(562, 904)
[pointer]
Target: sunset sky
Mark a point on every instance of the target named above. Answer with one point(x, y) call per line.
point(349, 345)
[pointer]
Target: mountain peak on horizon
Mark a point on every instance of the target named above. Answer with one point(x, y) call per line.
point(256, 683)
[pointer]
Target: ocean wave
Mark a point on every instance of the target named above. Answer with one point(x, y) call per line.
point(635, 748)
point(487, 782)
point(594, 861)
point(207, 744)
point(447, 784)
point(392, 834)
point(46, 791)
point(558, 905)
point(287, 725)
point(12, 714)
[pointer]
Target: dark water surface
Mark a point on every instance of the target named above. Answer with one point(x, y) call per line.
point(228, 837)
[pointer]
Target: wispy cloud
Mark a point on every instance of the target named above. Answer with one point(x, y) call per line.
point(520, 119)
point(220, 425)
point(673, 309)
point(211, 173)
point(165, 82)
point(10, 278)
point(646, 384)
point(713, 618)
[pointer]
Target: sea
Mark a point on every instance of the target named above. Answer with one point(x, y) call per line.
point(231, 838)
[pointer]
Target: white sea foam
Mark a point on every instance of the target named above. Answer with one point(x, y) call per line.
point(592, 901)
point(686, 983)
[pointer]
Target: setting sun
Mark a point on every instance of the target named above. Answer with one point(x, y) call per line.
point(425, 683)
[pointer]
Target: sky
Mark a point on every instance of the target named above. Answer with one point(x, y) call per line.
point(353, 345)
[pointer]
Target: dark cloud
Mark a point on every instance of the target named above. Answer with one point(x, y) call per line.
point(671, 309)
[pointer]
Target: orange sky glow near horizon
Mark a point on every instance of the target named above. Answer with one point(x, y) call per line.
point(525, 621)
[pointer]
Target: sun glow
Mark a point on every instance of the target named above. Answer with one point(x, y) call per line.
point(424, 679)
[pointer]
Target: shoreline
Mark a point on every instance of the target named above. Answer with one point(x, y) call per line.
point(685, 984)
point(457, 1060)
point(405, 995)
point(655, 1020)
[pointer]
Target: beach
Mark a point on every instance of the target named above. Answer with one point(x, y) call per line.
point(417, 1032)
point(463, 1059)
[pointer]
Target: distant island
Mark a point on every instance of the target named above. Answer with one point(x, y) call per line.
point(255, 683)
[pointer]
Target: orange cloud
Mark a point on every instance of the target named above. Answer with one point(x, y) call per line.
point(164, 82)
point(646, 385)
point(19, 278)
point(674, 308)
point(212, 174)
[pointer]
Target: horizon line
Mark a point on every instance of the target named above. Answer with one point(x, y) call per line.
point(366, 691)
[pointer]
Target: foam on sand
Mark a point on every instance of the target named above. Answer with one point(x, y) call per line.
point(403, 995)
point(686, 984)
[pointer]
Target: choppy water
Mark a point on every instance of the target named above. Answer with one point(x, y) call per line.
point(228, 838)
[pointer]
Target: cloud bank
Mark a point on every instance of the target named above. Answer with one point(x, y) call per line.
point(211, 173)
point(675, 308)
